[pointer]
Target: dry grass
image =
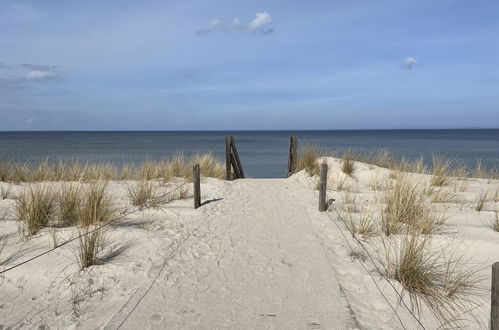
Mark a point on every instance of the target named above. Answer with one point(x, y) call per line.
point(69, 201)
point(91, 243)
point(482, 197)
point(178, 166)
point(141, 192)
point(406, 207)
point(495, 222)
point(4, 192)
point(307, 159)
point(440, 171)
point(348, 164)
point(35, 208)
point(435, 278)
point(96, 206)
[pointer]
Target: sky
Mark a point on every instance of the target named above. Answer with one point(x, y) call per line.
point(235, 65)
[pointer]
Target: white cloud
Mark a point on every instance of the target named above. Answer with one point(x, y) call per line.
point(260, 24)
point(410, 62)
point(40, 75)
point(260, 21)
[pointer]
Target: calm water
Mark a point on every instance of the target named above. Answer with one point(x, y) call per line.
point(263, 153)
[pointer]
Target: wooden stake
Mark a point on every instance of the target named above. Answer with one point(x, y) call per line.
point(494, 299)
point(228, 172)
point(322, 188)
point(293, 155)
point(240, 172)
point(196, 179)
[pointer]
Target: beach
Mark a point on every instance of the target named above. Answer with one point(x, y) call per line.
point(256, 254)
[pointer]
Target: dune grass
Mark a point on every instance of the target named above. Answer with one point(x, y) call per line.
point(440, 171)
point(4, 191)
point(96, 205)
point(35, 208)
point(178, 166)
point(433, 276)
point(482, 198)
point(348, 164)
point(407, 208)
point(91, 243)
point(69, 201)
point(140, 192)
point(307, 159)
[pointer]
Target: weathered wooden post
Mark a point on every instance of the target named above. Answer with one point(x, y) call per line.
point(196, 179)
point(293, 155)
point(228, 172)
point(494, 301)
point(322, 188)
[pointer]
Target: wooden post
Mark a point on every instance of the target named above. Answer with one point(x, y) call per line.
point(240, 172)
point(293, 155)
point(494, 301)
point(322, 188)
point(196, 179)
point(228, 172)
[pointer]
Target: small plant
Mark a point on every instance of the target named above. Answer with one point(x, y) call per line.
point(91, 243)
point(482, 198)
point(69, 201)
point(307, 159)
point(97, 205)
point(141, 192)
point(440, 173)
point(405, 205)
point(35, 208)
point(495, 222)
point(348, 164)
point(4, 191)
point(435, 278)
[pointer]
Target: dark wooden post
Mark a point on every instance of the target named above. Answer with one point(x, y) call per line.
point(228, 172)
point(240, 172)
point(293, 155)
point(322, 188)
point(494, 301)
point(196, 179)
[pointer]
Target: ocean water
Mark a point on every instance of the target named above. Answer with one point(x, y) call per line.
point(262, 153)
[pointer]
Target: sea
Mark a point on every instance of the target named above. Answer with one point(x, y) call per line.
point(264, 154)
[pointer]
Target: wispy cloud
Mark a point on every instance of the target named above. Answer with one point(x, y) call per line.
point(39, 67)
point(259, 25)
point(25, 73)
point(410, 63)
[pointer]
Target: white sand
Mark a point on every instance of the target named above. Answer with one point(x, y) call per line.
point(259, 255)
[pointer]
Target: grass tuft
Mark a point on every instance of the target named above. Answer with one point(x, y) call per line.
point(440, 171)
point(443, 283)
point(482, 198)
point(307, 159)
point(68, 201)
point(35, 208)
point(406, 206)
point(96, 206)
point(141, 192)
point(348, 164)
point(90, 245)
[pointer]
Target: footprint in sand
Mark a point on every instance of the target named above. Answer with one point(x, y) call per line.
point(156, 318)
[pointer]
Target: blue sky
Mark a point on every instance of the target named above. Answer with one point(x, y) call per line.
point(192, 64)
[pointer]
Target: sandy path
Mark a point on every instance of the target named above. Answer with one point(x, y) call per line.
point(255, 262)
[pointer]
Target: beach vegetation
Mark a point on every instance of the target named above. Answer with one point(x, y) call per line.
point(141, 192)
point(90, 243)
point(431, 275)
point(69, 200)
point(96, 206)
point(35, 208)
